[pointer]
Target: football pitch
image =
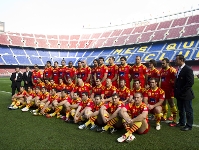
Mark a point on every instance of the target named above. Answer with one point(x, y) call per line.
point(21, 130)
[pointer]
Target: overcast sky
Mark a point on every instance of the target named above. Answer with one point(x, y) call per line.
point(69, 16)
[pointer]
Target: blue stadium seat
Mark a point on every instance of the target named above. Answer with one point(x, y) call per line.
point(70, 53)
point(36, 60)
point(83, 53)
point(186, 52)
point(156, 47)
point(187, 44)
point(10, 60)
point(44, 53)
point(5, 50)
point(18, 51)
point(23, 60)
point(31, 52)
point(1, 61)
point(90, 60)
point(96, 52)
point(54, 53)
point(165, 54)
point(131, 58)
point(149, 56)
point(195, 55)
point(107, 52)
point(172, 45)
point(45, 59)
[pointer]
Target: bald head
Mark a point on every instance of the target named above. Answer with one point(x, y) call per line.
point(84, 64)
point(108, 82)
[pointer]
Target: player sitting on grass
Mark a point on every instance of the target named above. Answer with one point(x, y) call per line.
point(92, 112)
point(82, 107)
point(154, 97)
point(137, 121)
point(39, 102)
point(58, 104)
point(18, 99)
point(31, 100)
point(109, 113)
point(71, 106)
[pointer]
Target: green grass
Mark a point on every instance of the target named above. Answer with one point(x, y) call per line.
point(21, 130)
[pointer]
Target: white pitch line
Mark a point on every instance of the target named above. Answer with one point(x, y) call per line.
point(5, 92)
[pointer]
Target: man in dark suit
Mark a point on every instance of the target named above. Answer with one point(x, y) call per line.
point(27, 78)
point(16, 79)
point(184, 94)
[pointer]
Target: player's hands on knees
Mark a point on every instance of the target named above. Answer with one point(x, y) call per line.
point(150, 107)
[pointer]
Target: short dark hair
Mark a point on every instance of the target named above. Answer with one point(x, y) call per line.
point(98, 96)
point(86, 93)
point(48, 62)
point(123, 57)
point(70, 62)
point(166, 59)
point(43, 87)
point(96, 60)
point(63, 60)
point(153, 79)
point(115, 94)
point(112, 57)
point(123, 80)
point(99, 79)
point(56, 62)
point(101, 58)
point(77, 93)
point(136, 80)
point(152, 61)
point(181, 57)
point(79, 61)
point(139, 56)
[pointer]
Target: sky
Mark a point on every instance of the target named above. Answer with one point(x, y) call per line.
point(73, 16)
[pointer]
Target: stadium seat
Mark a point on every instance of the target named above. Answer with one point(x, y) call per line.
point(166, 54)
point(42, 43)
point(191, 30)
point(116, 33)
point(193, 19)
point(99, 43)
point(96, 53)
point(159, 35)
point(42, 36)
point(72, 44)
point(45, 59)
point(16, 40)
point(23, 60)
point(89, 60)
point(106, 34)
point(43, 52)
point(151, 27)
point(85, 36)
point(89, 43)
point(53, 44)
point(31, 52)
point(156, 47)
point(110, 42)
point(64, 44)
point(95, 35)
point(27, 35)
point(74, 37)
point(29, 42)
point(64, 37)
point(179, 22)
point(17, 51)
point(81, 44)
point(70, 53)
point(107, 52)
point(120, 41)
point(36, 60)
point(2, 61)
point(5, 50)
point(188, 44)
point(139, 29)
point(54, 53)
point(127, 31)
point(174, 33)
point(54, 37)
point(164, 25)
point(132, 39)
point(4, 39)
point(3, 71)
point(10, 60)
point(145, 37)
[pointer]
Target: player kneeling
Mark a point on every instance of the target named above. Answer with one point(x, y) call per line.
point(91, 112)
point(136, 121)
point(79, 114)
point(58, 104)
point(71, 107)
point(30, 101)
point(109, 113)
point(18, 99)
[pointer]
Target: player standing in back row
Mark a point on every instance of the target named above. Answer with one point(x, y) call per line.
point(113, 71)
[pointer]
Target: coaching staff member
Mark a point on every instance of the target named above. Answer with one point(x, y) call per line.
point(16, 79)
point(27, 78)
point(184, 94)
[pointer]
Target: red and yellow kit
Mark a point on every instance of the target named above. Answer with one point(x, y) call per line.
point(111, 107)
point(84, 72)
point(112, 71)
point(98, 90)
point(53, 97)
point(24, 93)
point(83, 104)
point(36, 75)
point(39, 95)
point(60, 87)
point(32, 93)
point(48, 72)
point(154, 95)
point(124, 74)
point(123, 93)
point(56, 75)
point(74, 101)
point(154, 73)
point(62, 71)
point(100, 71)
point(167, 78)
point(70, 87)
point(53, 86)
point(48, 86)
point(81, 89)
point(45, 95)
point(70, 73)
point(140, 90)
point(95, 107)
point(108, 92)
point(40, 85)
point(61, 99)
point(138, 73)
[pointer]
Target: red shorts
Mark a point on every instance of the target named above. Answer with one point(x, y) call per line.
point(146, 131)
point(169, 93)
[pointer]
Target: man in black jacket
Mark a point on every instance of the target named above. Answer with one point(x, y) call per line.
point(27, 78)
point(184, 94)
point(16, 79)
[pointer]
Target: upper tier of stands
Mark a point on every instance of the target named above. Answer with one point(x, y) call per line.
point(172, 29)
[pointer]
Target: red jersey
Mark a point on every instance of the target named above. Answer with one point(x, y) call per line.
point(95, 107)
point(100, 71)
point(85, 88)
point(40, 85)
point(36, 75)
point(154, 95)
point(70, 73)
point(48, 73)
point(140, 90)
point(83, 104)
point(48, 86)
point(138, 73)
point(75, 101)
point(45, 95)
point(136, 110)
point(93, 71)
point(53, 86)
point(123, 93)
point(53, 97)
point(61, 99)
point(111, 107)
point(39, 95)
point(60, 87)
point(32, 93)
point(167, 78)
point(83, 73)
point(24, 93)
point(124, 73)
point(56, 75)
point(112, 71)
point(108, 92)
point(98, 90)
point(62, 71)
point(70, 87)
point(154, 73)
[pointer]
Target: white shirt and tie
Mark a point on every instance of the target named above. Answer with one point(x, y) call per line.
point(179, 69)
point(27, 73)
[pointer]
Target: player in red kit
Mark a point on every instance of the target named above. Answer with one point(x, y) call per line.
point(124, 71)
point(97, 90)
point(62, 69)
point(113, 71)
point(123, 91)
point(48, 71)
point(61, 86)
point(167, 78)
point(86, 72)
point(36, 74)
point(137, 89)
point(39, 83)
point(101, 71)
point(154, 98)
point(93, 71)
point(70, 72)
point(69, 86)
point(79, 69)
point(109, 90)
point(56, 72)
point(152, 72)
point(139, 71)
point(53, 84)
point(48, 84)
